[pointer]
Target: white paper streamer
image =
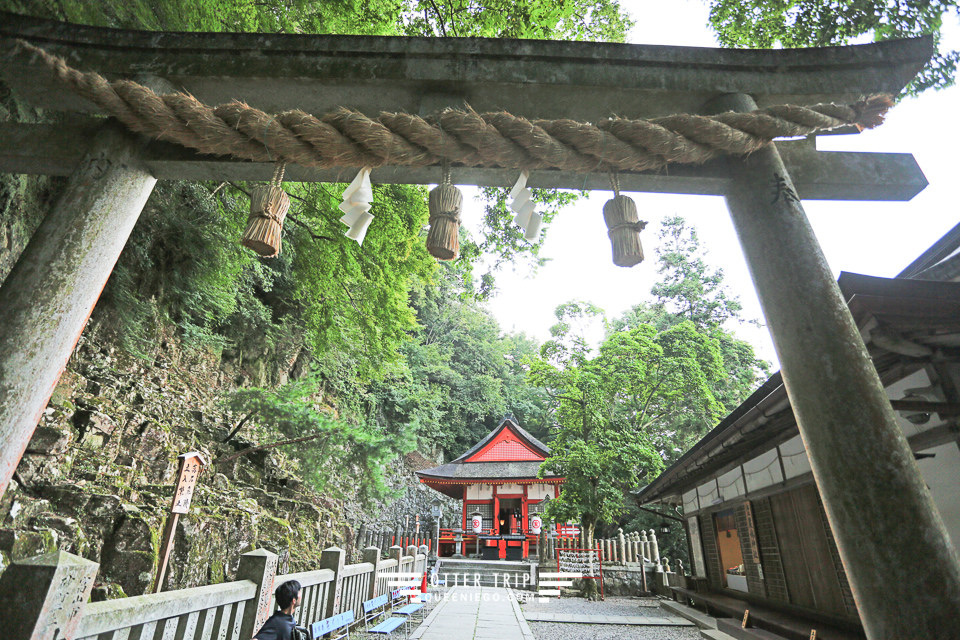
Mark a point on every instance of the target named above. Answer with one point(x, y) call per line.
point(356, 206)
point(522, 204)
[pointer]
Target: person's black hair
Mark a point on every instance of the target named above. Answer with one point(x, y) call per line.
point(286, 592)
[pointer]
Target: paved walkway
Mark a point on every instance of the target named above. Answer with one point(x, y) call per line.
point(581, 618)
point(475, 613)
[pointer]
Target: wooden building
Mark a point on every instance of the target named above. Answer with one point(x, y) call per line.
point(755, 522)
point(496, 478)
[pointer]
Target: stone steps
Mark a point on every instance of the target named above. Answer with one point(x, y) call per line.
point(695, 616)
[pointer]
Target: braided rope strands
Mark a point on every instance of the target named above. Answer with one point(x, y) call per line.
point(269, 205)
point(345, 138)
point(623, 227)
point(445, 203)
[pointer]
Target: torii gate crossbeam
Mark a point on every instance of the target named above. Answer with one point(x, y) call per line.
point(901, 564)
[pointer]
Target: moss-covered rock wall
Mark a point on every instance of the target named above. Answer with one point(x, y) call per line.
point(97, 477)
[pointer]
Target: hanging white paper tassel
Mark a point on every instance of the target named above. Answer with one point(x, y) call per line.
point(522, 204)
point(356, 206)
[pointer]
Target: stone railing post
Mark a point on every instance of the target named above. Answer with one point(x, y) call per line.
point(43, 597)
point(396, 552)
point(332, 558)
point(372, 555)
point(424, 551)
point(644, 547)
point(680, 567)
point(411, 550)
point(623, 546)
point(260, 567)
point(654, 548)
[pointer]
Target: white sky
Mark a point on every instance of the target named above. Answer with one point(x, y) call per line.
point(875, 238)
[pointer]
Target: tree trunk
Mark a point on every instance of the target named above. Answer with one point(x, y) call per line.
point(591, 588)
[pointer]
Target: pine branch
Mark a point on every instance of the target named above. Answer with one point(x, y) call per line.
point(271, 445)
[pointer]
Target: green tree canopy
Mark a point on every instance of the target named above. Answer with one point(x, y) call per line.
point(460, 373)
point(610, 406)
point(666, 372)
point(821, 23)
point(599, 20)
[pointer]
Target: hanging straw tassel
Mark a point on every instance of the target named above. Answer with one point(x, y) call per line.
point(443, 240)
point(268, 208)
point(623, 228)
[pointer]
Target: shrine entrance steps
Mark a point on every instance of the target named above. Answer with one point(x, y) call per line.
point(487, 573)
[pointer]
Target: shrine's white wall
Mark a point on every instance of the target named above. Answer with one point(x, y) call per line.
point(540, 491)
point(942, 475)
point(480, 492)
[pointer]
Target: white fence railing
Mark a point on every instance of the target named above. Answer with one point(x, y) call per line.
point(51, 592)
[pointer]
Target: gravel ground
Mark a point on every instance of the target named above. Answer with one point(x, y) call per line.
point(565, 631)
point(613, 606)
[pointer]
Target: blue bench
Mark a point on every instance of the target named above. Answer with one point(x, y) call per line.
point(373, 609)
point(409, 610)
point(332, 625)
point(398, 596)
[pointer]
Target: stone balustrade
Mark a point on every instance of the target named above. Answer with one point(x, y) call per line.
point(635, 547)
point(50, 594)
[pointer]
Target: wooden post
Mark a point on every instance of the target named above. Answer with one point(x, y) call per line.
point(372, 555)
point(260, 567)
point(43, 597)
point(166, 546)
point(191, 466)
point(49, 294)
point(332, 558)
point(878, 507)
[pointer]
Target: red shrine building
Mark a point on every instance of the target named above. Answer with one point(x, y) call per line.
point(497, 479)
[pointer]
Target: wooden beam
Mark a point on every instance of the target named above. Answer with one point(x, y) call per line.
point(52, 149)
point(943, 408)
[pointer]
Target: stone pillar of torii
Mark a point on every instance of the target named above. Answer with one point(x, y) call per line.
point(862, 464)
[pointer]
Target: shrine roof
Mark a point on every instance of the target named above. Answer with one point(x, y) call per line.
point(479, 471)
point(508, 452)
point(922, 313)
point(511, 424)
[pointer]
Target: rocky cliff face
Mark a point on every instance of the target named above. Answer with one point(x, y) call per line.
point(97, 478)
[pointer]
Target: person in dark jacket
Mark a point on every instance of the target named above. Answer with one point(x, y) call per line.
point(280, 625)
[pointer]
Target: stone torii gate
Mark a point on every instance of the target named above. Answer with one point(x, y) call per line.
point(901, 565)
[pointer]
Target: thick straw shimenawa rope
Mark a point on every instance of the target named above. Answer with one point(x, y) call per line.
point(345, 138)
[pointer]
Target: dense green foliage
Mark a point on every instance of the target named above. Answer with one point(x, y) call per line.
point(820, 23)
point(558, 19)
point(294, 411)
